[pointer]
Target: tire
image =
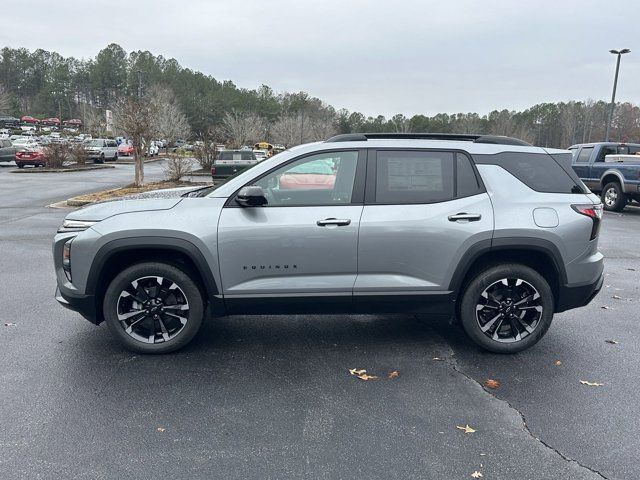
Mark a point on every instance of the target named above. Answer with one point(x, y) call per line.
point(20, 165)
point(169, 332)
point(613, 198)
point(487, 287)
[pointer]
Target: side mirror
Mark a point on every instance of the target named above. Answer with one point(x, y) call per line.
point(252, 196)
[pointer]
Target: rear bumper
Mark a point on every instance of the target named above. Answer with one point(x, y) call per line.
point(223, 171)
point(85, 305)
point(578, 296)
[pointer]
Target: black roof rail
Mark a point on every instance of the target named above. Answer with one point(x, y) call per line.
point(458, 137)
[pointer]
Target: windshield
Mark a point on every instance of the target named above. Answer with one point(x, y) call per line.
point(95, 143)
point(22, 141)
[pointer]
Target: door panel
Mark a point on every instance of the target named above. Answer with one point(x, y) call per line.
point(282, 250)
point(415, 248)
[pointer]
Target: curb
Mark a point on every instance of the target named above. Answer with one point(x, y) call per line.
point(132, 162)
point(65, 170)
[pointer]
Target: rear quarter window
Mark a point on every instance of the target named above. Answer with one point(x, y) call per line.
point(539, 171)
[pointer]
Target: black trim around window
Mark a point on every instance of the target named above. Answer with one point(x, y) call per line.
point(372, 166)
point(357, 193)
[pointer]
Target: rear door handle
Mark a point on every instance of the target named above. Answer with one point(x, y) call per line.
point(333, 221)
point(472, 217)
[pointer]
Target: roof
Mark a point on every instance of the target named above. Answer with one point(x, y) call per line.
point(593, 144)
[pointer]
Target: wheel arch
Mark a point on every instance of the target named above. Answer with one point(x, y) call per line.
point(539, 254)
point(612, 176)
point(118, 254)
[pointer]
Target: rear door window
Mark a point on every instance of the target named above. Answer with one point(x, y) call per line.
point(604, 151)
point(406, 177)
point(584, 155)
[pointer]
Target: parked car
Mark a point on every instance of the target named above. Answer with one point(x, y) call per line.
point(7, 151)
point(24, 143)
point(411, 224)
point(30, 156)
point(153, 150)
point(101, 149)
point(616, 180)
point(230, 162)
point(125, 149)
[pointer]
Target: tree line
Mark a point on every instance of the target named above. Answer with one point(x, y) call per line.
point(42, 83)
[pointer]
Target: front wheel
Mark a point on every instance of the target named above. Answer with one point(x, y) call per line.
point(613, 198)
point(507, 308)
point(153, 308)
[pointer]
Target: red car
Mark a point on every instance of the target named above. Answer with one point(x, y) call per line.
point(125, 149)
point(314, 175)
point(31, 156)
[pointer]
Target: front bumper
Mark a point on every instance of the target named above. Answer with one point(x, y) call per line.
point(85, 305)
point(578, 296)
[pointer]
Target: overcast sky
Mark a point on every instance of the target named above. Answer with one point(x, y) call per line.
point(387, 57)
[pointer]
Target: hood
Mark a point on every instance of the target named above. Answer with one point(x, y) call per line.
point(101, 211)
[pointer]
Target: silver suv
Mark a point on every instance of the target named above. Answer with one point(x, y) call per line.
point(489, 230)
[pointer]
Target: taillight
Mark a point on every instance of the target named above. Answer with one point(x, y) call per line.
point(213, 171)
point(594, 212)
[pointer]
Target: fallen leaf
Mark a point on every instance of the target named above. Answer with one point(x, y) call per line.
point(438, 359)
point(632, 269)
point(9, 324)
point(493, 384)
point(591, 384)
point(482, 454)
point(160, 429)
point(393, 374)
point(364, 376)
point(476, 474)
point(604, 307)
point(558, 363)
point(607, 286)
point(355, 371)
point(612, 342)
point(617, 297)
point(466, 428)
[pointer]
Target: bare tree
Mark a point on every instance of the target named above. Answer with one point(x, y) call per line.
point(243, 128)
point(287, 130)
point(137, 118)
point(94, 121)
point(206, 152)
point(5, 99)
point(171, 121)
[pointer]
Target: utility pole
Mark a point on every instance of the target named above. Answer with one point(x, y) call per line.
point(619, 53)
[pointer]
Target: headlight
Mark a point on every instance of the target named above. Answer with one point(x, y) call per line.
point(75, 225)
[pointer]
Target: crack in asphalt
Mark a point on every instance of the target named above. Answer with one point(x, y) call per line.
point(454, 365)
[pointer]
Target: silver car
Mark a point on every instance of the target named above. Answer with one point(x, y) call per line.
point(102, 149)
point(488, 230)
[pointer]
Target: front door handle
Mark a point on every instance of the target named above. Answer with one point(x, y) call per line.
point(333, 221)
point(471, 217)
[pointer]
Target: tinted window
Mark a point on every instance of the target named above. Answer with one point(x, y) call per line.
point(604, 151)
point(322, 179)
point(467, 183)
point(414, 177)
point(538, 171)
point(584, 155)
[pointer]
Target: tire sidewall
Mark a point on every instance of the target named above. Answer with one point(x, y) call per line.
point(175, 274)
point(621, 202)
point(484, 280)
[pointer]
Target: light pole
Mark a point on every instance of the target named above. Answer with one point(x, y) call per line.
point(619, 53)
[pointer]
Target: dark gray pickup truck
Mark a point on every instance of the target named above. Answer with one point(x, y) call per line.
point(610, 169)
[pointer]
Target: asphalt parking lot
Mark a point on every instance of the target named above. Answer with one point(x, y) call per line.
point(271, 397)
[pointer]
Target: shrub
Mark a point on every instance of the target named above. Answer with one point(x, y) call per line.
point(77, 153)
point(55, 154)
point(177, 167)
point(205, 155)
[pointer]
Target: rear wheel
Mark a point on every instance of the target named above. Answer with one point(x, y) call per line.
point(613, 198)
point(153, 308)
point(507, 308)
point(20, 165)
